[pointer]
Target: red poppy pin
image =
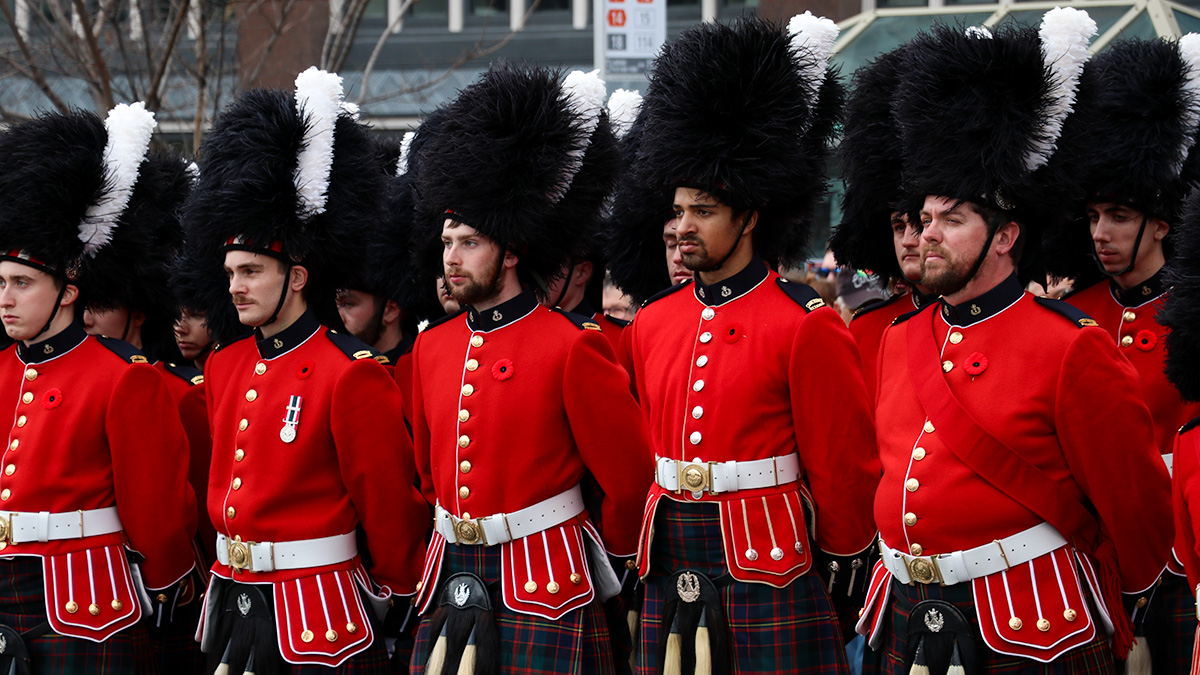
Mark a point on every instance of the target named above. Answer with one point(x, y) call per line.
point(305, 369)
point(502, 369)
point(976, 364)
point(732, 332)
point(1146, 340)
point(52, 398)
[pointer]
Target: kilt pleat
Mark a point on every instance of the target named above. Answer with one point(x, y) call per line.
point(576, 644)
point(772, 631)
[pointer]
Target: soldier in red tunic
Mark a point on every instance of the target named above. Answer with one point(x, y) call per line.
point(1136, 121)
point(1011, 517)
point(300, 460)
point(873, 208)
point(1181, 315)
point(757, 528)
point(514, 403)
point(97, 515)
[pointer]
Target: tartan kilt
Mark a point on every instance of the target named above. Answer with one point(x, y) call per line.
point(1095, 657)
point(772, 631)
point(576, 644)
point(23, 607)
point(1170, 626)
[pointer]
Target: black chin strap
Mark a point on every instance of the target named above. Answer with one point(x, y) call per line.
point(53, 312)
point(987, 245)
point(1137, 243)
point(562, 293)
point(732, 249)
point(287, 274)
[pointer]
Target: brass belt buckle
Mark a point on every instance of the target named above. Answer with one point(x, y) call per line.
point(695, 478)
point(6, 532)
point(469, 531)
point(924, 570)
point(239, 554)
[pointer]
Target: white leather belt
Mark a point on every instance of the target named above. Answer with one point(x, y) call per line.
point(715, 477)
point(948, 569)
point(25, 527)
point(1169, 459)
point(500, 528)
point(267, 556)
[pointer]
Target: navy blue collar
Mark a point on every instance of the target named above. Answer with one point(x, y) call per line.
point(503, 314)
point(289, 338)
point(55, 345)
point(1140, 294)
point(984, 306)
point(734, 287)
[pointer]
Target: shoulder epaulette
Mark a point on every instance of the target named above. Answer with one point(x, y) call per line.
point(621, 323)
point(218, 346)
point(666, 291)
point(580, 321)
point(1074, 314)
point(351, 346)
point(803, 294)
point(189, 373)
point(1189, 425)
point(444, 319)
point(123, 349)
point(908, 315)
point(867, 309)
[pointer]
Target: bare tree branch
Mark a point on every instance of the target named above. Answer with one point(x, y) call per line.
point(477, 51)
point(336, 57)
point(154, 93)
point(99, 63)
point(30, 67)
point(276, 31)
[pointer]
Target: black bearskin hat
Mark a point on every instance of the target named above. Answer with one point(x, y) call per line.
point(390, 270)
point(525, 157)
point(143, 248)
point(744, 112)
point(1181, 312)
point(871, 168)
point(1132, 141)
point(293, 176)
point(84, 203)
point(633, 233)
point(980, 116)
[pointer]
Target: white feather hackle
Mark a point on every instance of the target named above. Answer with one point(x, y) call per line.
point(193, 170)
point(623, 107)
point(584, 94)
point(1065, 34)
point(1189, 51)
point(351, 109)
point(978, 32)
point(815, 36)
point(405, 147)
point(129, 128)
point(318, 102)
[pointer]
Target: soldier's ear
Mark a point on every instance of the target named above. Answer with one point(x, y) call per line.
point(298, 278)
point(70, 295)
point(1161, 228)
